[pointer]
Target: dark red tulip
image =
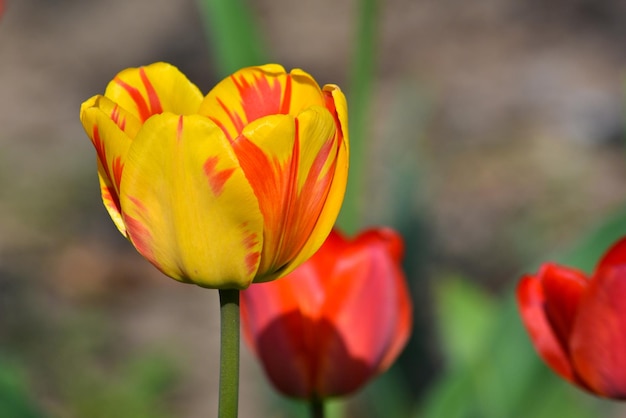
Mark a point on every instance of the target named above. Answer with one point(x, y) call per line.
point(336, 321)
point(578, 324)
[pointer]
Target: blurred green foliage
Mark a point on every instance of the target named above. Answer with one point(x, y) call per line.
point(138, 389)
point(72, 363)
point(15, 399)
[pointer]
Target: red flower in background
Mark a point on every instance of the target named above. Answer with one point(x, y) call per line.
point(336, 321)
point(578, 324)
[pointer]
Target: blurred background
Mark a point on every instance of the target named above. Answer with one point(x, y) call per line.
point(489, 133)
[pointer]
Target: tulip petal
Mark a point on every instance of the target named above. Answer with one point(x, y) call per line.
point(336, 103)
point(363, 341)
point(562, 287)
point(531, 302)
point(188, 206)
point(280, 333)
point(153, 89)
point(599, 337)
point(109, 127)
point(305, 92)
point(615, 256)
point(393, 246)
point(111, 200)
point(256, 92)
point(124, 120)
point(315, 331)
point(326, 257)
point(290, 165)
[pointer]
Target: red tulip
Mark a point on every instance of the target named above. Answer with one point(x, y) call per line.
point(578, 325)
point(336, 321)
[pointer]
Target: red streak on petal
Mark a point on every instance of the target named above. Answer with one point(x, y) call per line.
point(284, 108)
point(250, 240)
point(217, 178)
point(110, 199)
point(118, 168)
point(270, 183)
point(117, 165)
point(267, 177)
point(179, 129)
point(153, 97)
point(252, 259)
point(135, 94)
point(115, 113)
point(289, 215)
point(259, 98)
point(140, 234)
point(221, 125)
point(234, 118)
point(109, 193)
point(330, 105)
point(101, 152)
point(115, 117)
point(307, 204)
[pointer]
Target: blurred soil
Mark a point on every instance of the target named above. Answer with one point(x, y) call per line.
point(505, 119)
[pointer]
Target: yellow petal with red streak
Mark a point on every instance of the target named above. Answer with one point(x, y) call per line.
point(188, 206)
point(265, 151)
point(124, 120)
point(338, 106)
point(111, 200)
point(154, 89)
point(111, 144)
point(289, 164)
point(256, 92)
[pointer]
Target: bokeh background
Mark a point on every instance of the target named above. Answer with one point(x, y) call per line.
point(490, 133)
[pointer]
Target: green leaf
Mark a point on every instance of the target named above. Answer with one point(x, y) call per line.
point(232, 34)
point(465, 315)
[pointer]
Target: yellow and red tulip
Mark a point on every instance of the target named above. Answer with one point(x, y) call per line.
point(578, 324)
point(239, 186)
point(335, 322)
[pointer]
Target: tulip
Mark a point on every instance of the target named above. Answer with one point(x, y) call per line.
point(335, 322)
point(236, 187)
point(578, 324)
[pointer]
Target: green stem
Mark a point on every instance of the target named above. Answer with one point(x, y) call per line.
point(233, 34)
point(317, 408)
point(229, 353)
point(362, 77)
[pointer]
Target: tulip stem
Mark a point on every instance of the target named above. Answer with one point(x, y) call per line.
point(229, 353)
point(317, 407)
